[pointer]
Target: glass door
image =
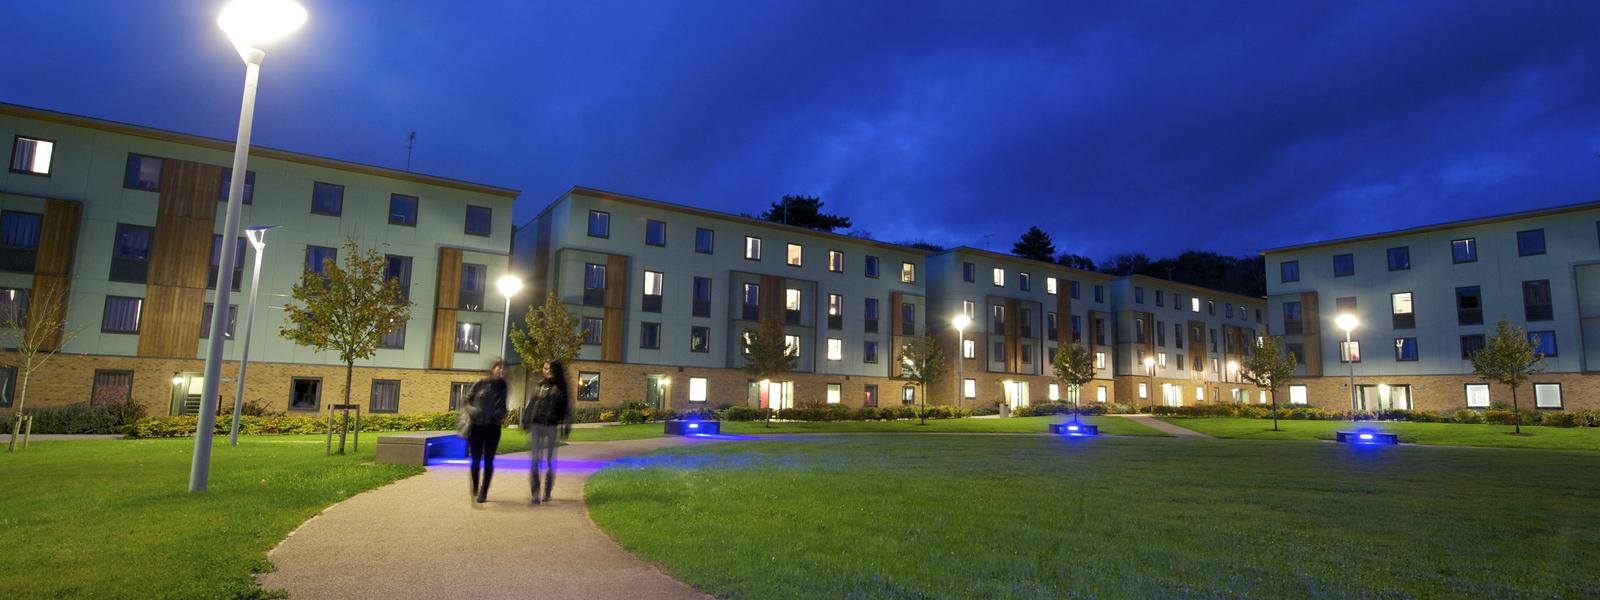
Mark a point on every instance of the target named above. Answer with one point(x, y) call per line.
point(654, 385)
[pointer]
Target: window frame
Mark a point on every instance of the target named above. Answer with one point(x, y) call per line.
point(138, 319)
point(1285, 267)
point(473, 333)
point(1466, 391)
point(1400, 343)
point(872, 266)
point(372, 397)
point(49, 164)
point(604, 221)
point(1350, 262)
point(710, 238)
point(1543, 247)
point(590, 393)
point(908, 272)
point(316, 405)
point(646, 327)
point(794, 254)
point(416, 209)
point(316, 185)
point(1470, 246)
point(659, 224)
point(1560, 400)
point(835, 261)
point(489, 221)
point(94, 390)
point(1404, 254)
point(127, 182)
point(752, 243)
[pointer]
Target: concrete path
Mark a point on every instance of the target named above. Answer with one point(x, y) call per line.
point(422, 538)
point(1165, 427)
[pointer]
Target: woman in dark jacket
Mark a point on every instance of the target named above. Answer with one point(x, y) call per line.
point(486, 409)
point(547, 408)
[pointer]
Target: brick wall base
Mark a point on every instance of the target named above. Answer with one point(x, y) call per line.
point(1448, 392)
point(1216, 392)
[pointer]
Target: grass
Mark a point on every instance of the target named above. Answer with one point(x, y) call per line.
point(1444, 434)
point(1023, 516)
point(114, 518)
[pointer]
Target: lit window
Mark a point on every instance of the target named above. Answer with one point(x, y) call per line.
point(794, 258)
point(1100, 394)
point(791, 299)
point(1194, 304)
point(836, 261)
point(1054, 392)
point(1403, 317)
point(752, 248)
point(1161, 359)
point(791, 343)
point(1144, 392)
point(32, 155)
point(1547, 395)
point(697, 389)
point(1200, 393)
point(908, 273)
point(969, 388)
point(1000, 277)
point(835, 349)
point(833, 393)
point(1099, 360)
point(1297, 394)
point(1477, 395)
point(1050, 285)
point(968, 307)
point(969, 349)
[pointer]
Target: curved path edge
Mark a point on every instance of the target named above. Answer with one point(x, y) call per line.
point(422, 537)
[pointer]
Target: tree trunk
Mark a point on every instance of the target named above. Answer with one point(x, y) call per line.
point(1516, 413)
point(1275, 410)
point(922, 415)
point(344, 425)
point(16, 422)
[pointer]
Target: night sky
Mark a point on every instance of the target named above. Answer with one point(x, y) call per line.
point(1116, 126)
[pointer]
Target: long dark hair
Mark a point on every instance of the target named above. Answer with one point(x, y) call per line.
point(558, 376)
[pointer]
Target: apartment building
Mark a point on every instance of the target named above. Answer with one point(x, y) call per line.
point(123, 223)
point(1196, 339)
point(664, 293)
point(1021, 312)
point(1426, 298)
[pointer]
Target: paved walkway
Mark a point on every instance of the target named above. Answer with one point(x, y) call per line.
point(422, 538)
point(1165, 427)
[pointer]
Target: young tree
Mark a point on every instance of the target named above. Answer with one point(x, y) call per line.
point(1035, 244)
point(1075, 367)
point(805, 211)
point(1076, 261)
point(549, 334)
point(922, 362)
point(36, 334)
point(1508, 359)
point(1269, 367)
point(767, 354)
point(346, 309)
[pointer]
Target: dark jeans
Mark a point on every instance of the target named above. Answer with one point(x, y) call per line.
point(482, 440)
point(543, 440)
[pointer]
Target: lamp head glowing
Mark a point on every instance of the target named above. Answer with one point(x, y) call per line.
point(961, 322)
point(1233, 365)
point(250, 23)
point(257, 234)
point(1149, 362)
point(177, 380)
point(1347, 322)
point(509, 285)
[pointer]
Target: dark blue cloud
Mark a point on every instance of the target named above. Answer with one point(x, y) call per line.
point(1152, 126)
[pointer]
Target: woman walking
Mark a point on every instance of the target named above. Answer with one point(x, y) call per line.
point(546, 409)
point(486, 408)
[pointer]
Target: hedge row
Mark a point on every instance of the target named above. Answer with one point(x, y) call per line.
point(1496, 415)
point(83, 418)
point(164, 427)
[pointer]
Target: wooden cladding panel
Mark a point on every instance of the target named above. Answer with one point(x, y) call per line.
point(771, 299)
point(611, 334)
point(449, 283)
point(1013, 335)
point(58, 238)
point(1063, 318)
point(180, 250)
point(49, 301)
point(442, 348)
point(895, 325)
point(169, 323)
point(1312, 334)
point(616, 281)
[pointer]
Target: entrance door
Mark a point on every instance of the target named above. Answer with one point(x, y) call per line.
point(654, 388)
point(1172, 395)
point(1383, 397)
point(1016, 393)
point(186, 388)
point(776, 395)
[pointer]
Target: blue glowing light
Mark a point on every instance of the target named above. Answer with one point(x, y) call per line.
point(694, 426)
point(1072, 428)
point(1366, 436)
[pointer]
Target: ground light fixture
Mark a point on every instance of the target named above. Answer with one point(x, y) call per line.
point(1367, 437)
point(508, 285)
point(961, 322)
point(250, 25)
point(692, 427)
point(1348, 323)
point(1075, 429)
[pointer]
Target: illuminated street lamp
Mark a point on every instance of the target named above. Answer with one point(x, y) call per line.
point(1348, 323)
point(249, 24)
point(258, 241)
point(1233, 367)
point(509, 285)
point(961, 322)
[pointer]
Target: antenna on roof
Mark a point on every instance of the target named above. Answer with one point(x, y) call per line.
point(411, 142)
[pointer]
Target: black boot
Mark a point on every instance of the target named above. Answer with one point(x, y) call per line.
point(549, 484)
point(536, 490)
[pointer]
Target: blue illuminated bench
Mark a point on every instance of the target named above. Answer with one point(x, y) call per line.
point(1368, 438)
point(419, 448)
point(1074, 429)
point(693, 427)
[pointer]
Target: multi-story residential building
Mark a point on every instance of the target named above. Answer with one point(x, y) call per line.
point(1196, 339)
point(1427, 298)
point(125, 224)
point(1021, 311)
point(665, 292)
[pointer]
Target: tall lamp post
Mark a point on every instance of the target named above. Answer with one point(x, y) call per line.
point(1348, 323)
point(961, 322)
point(508, 285)
point(258, 242)
point(1150, 367)
point(248, 23)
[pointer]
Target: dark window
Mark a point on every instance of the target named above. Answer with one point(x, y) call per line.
point(1026, 326)
point(752, 302)
point(111, 387)
point(1051, 323)
point(19, 240)
point(468, 336)
point(908, 318)
point(702, 297)
point(130, 253)
point(458, 392)
point(246, 195)
point(216, 259)
point(1177, 335)
point(143, 173)
point(1469, 306)
point(395, 339)
point(997, 319)
point(869, 396)
point(474, 279)
point(1292, 322)
point(655, 233)
point(1161, 334)
point(969, 272)
point(1099, 293)
point(594, 284)
point(599, 224)
point(1404, 315)
point(121, 315)
point(589, 386)
point(318, 257)
point(705, 240)
point(1470, 345)
point(653, 284)
point(1544, 343)
point(1074, 287)
point(1400, 258)
point(385, 396)
point(1344, 306)
point(1211, 307)
point(1160, 298)
point(327, 199)
point(1464, 251)
point(1289, 271)
point(8, 385)
point(1138, 294)
point(699, 339)
point(591, 328)
point(480, 220)
point(1405, 349)
point(1099, 331)
point(32, 156)
point(999, 352)
point(650, 335)
point(1026, 354)
point(205, 320)
point(869, 352)
point(305, 393)
point(1024, 281)
point(398, 268)
point(872, 267)
point(1536, 304)
point(870, 314)
point(1228, 310)
point(13, 306)
point(1138, 331)
point(1344, 265)
point(402, 210)
point(1530, 242)
point(1077, 328)
point(1295, 349)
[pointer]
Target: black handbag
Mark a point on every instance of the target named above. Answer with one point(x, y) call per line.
point(463, 414)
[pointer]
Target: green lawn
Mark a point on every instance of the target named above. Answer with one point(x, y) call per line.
point(1108, 425)
point(114, 519)
point(1444, 434)
point(1024, 516)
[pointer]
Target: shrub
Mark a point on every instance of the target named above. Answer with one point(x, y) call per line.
point(1559, 419)
point(1043, 409)
point(1466, 415)
point(1506, 417)
point(699, 414)
point(985, 411)
point(743, 413)
point(84, 418)
point(158, 427)
point(868, 413)
point(1589, 418)
point(945, 412)
point(587, 414)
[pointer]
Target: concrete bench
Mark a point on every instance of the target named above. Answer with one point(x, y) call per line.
point(1367, 438)
point(1074, 429)
point(419, 448)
